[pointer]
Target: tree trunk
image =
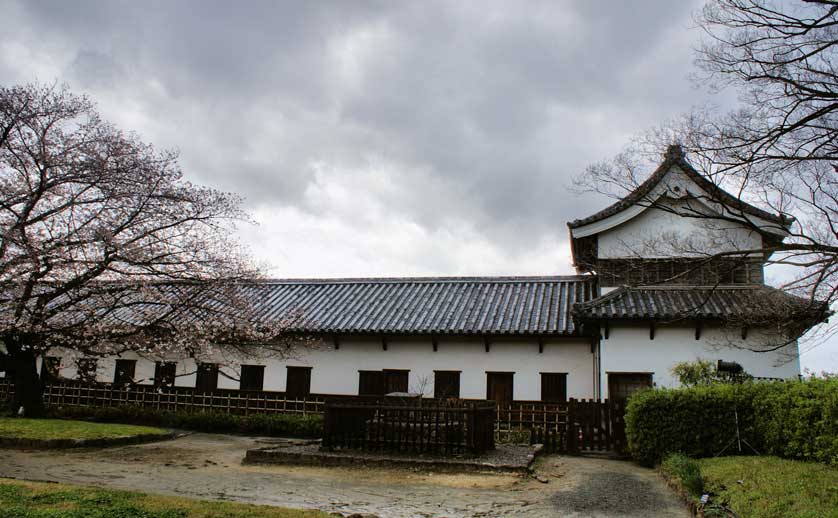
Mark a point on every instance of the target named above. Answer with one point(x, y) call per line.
point(29, 391)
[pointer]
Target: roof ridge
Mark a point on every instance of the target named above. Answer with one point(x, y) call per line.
point(430, 279)
point(672, 158)
point(683, 287)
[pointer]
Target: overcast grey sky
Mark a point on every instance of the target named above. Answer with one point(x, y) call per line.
point(379, 138)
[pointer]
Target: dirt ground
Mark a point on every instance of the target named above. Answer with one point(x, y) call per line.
point(209, 466)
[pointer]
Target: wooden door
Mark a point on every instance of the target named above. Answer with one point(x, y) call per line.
point(370, 383)
point(207, 378)
point(298, 382)
point(499, 387)
point(623, 384)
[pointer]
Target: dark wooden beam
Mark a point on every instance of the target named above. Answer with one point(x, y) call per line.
point(383, 343)
point(486, 344)
point(540, 346)
point(607, 330)
point(336, 342)
point(652, 331)
point(699, 326)
point(744, 332)
point(435, 343)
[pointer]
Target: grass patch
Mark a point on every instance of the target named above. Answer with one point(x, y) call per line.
point(687, 471)
point(46, 429)
point(21, 499)
point(768, 487)
point(758, 487)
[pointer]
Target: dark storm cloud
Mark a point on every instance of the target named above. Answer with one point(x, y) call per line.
point(440, 114)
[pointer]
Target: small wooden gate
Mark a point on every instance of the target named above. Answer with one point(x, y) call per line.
point(591, 425)
point(596, 425)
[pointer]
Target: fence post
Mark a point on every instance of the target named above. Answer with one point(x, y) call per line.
point(571, 428)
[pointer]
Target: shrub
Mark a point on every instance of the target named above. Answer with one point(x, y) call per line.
point(293, 425)
point(789, 419)
point(703, 372)
point(686, 470)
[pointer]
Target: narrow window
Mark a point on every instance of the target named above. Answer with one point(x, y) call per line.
point(395, 380)
point(206, 379)
point(253, 377)
point(123, 373)
point(554, 387)
point(446, 384)
point(298, 382)
point(164, 374)
point(50, 365)
point(370, 383)
point(87, 368)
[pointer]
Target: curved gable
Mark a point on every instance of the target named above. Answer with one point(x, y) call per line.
point(675, 198)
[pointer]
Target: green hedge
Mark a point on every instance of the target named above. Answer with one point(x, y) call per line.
point(796, 420)
point(288, 425)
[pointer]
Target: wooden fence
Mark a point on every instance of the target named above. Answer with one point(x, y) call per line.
point(519, 418)
point(417, 426)
point(594, 425)
point(578, 426)
point(72, 393)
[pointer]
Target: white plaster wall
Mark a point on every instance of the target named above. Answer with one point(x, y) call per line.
point(336, 371)
point(657, 233)
point(629, 349)
point(143, 372)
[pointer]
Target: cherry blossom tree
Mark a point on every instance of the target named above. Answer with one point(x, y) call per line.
point(106, 248)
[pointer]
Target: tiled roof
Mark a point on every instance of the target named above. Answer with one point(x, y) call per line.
point(462, 305)
point(748, 303)
point(675, 156)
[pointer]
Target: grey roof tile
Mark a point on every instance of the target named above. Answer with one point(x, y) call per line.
point(444, 305)
point(752, 303)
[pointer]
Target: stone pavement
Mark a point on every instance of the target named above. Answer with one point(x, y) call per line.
point(209, 466)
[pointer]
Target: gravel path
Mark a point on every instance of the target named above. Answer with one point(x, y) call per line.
point(209, 466)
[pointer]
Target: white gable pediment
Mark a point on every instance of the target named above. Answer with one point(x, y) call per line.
point(696, 203)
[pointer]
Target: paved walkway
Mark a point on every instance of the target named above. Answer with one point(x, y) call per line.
point(209, 466)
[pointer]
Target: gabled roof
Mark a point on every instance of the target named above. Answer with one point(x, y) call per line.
point(675, 157)
point(511, 306)
point(753, 304)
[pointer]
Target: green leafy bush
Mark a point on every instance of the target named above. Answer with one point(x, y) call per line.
point(703, 372)
point(686, 470)
point(789, 419)
point(290, 425)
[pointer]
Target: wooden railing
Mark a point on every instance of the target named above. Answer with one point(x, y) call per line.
point(413, 426)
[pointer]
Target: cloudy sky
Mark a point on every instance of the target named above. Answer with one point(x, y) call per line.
point(379, 138)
